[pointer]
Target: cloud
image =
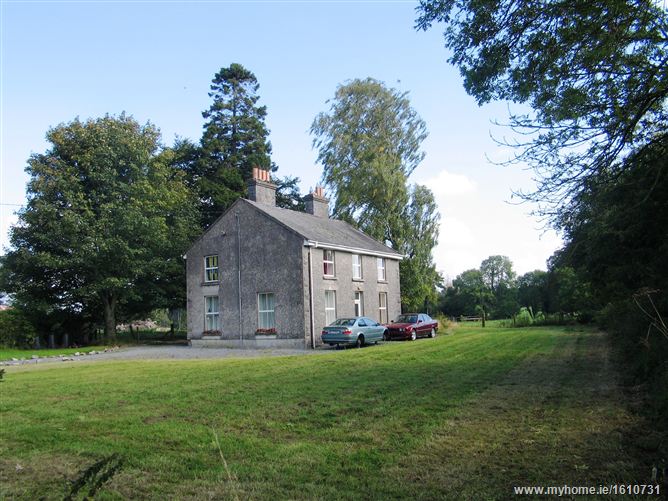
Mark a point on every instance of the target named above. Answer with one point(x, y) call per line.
point(450, 184)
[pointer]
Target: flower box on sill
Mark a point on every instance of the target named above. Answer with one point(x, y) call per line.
point(211, 334)
point(265, 333)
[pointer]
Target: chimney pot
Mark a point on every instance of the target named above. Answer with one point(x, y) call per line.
point(316, 203)
point(260, 187)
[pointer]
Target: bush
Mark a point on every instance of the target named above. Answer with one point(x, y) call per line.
point(444, 323)
point(16, 331)
point(524, 318)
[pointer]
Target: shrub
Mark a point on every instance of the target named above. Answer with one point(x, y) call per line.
point(524, 318)
point(16, 331)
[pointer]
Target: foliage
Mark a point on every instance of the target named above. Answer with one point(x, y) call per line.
point(16, 330)
point(368, 144)
point(524, 318)
point(419, 236)
point(288, 195)
point(465, 296)
point(532, 290)
point(106, 224)
point(618, 240)
point(595, 75)
point(233, 142)
point(235, 139)
point(497, 271)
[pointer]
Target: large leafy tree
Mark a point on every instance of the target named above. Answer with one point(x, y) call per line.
point(497, 271)
point(532, 290)
point(466, 296)
point(594, 74)
point(419, 236)
point(368, 144)
point(105, 226)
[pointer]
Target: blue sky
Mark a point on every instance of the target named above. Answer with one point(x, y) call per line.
point(155, 61)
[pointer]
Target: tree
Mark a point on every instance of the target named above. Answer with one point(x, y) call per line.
point(288, 195)
point(105, 226)
point(368, 144)
point(466, 296)
point(419, 236)
point(498, 278)
point(497, 271)
point(234, 141)
point(595, 75)
point(532, 290)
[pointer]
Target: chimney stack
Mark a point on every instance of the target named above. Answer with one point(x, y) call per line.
point(316, 203)
point(260, 187)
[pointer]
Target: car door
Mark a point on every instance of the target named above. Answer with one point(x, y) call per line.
point(361, 329)
point(419, 328)
point(375, 329)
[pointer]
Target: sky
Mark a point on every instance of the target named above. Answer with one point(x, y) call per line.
point(155, 60)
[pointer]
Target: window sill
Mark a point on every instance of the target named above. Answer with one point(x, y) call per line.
point(358, 280)
point(382, 281)
point(204, 284)
point(329, 277)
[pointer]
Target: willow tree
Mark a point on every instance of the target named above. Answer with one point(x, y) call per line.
point(369, 143)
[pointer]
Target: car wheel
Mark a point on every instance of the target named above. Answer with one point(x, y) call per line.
point(413, 336)
point(360, 342)
point(386, 336)
point(432, 334)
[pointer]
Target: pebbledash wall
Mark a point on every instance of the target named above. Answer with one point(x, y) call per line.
point(259, 254)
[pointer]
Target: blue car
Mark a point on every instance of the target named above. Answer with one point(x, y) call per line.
point(356, 331)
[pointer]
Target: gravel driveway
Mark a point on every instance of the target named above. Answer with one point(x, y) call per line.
point(174, 352)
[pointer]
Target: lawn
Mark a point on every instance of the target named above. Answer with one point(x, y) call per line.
point(464, 416)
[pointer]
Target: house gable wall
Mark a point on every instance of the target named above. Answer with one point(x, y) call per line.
point(271, 261)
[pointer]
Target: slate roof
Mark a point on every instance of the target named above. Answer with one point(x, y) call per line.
point(323, 231)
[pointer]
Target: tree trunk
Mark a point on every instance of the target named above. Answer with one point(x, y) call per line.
point(109, 301)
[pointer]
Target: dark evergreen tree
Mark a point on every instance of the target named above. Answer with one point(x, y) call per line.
point(234, 141)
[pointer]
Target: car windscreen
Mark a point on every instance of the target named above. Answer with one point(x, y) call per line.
point(406, 319)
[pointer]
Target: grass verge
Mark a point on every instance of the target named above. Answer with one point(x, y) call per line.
point(9, 353)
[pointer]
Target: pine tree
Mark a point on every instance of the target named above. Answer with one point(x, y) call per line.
point(234, 141)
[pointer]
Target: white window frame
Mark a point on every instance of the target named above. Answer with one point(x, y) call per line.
point(358, 303)
point(213, 269)
point(380, 266)
point(357, 267)
point(382, 307)
point(269, 313)
point(330, 310)
point(211, 318)
point(325, 261)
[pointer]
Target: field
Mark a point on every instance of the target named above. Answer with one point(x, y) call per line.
point(464, 416)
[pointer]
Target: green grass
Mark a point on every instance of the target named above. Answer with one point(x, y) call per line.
point(465, 416)
point(9, 353)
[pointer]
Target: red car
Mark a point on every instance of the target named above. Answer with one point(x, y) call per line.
point(412, 326)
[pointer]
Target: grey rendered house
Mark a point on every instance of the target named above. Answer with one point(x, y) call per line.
point(264, 276)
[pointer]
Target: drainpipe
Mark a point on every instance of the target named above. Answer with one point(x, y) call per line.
point(241, 336)
point(310, 297)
